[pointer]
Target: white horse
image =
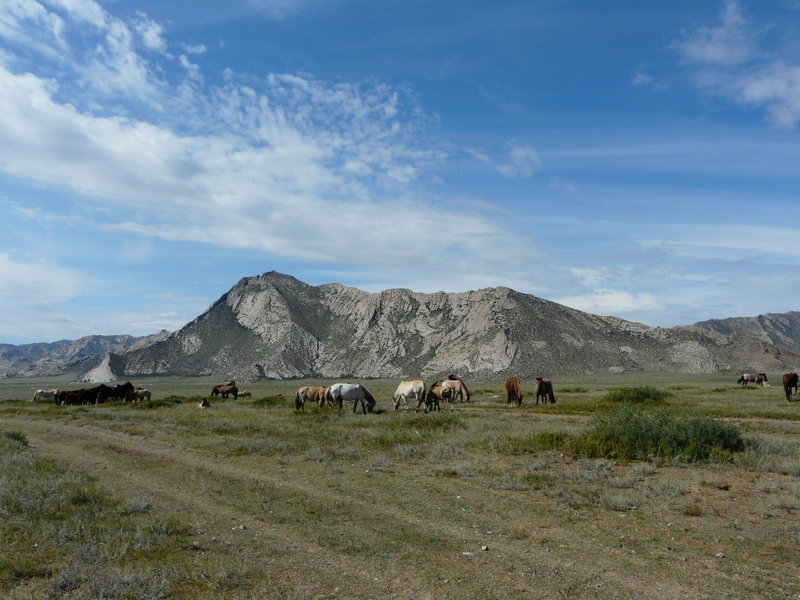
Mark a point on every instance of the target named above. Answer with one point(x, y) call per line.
point(44, 395)
point(338, 393)
point(408, 389)
point(455, 387)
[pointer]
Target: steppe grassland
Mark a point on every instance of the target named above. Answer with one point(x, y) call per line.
point(441, 487)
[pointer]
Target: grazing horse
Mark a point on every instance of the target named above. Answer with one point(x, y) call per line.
point(750, 378)
point(434, 396)
point(514, 391)
point(339, 393)
point(44, 395)
point(310, 393)
point(204, 403)
point(225, 391)
point(544, 390)
point(406, 390)
point(454, 387)
point(140, 394)
point(789, 382)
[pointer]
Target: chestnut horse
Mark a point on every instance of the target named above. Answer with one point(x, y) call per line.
point(514, 391)
point(311, 393)
point(789, 382)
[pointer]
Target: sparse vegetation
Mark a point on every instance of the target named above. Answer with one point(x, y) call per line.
point(632, 433)
point(252, 499)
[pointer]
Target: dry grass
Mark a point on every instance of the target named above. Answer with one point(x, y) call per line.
point(250, 499)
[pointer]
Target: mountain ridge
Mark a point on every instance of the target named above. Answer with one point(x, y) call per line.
point(275, 326)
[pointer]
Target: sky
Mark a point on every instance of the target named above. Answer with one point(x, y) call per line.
point(628, 158)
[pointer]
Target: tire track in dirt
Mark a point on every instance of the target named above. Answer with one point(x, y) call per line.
point(180, 478)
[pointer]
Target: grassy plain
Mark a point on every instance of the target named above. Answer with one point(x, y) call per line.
point(252, 500)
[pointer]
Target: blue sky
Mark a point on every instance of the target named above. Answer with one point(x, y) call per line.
point(631, 159)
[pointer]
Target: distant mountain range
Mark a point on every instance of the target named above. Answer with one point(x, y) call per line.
point(275, 326)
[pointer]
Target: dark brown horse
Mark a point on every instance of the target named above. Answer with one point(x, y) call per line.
point(544, 390)
point(225, 391)
point(789, 382)
point(514, 391)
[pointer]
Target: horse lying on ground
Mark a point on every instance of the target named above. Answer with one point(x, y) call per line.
point(339, 393)
point(204, 403)
point(245, 394)
point(789, 382)
point(225, 391)
point(514, 391)
point(406, 390)
point(544, 390)
point(310, 393)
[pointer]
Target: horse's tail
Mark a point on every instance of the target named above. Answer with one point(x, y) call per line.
point(551, 395)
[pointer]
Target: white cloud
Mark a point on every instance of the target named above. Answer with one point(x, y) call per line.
point(290, 165)
point(522, 161)
point(611, 302)
point(732, 65)
point(726, 44)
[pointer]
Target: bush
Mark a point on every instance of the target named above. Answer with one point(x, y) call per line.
point(278, 400)
point(637, 395)
point(17, 436)
point(626, 432)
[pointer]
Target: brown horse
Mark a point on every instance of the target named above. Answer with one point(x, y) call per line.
point(311, 393)
point(514, 391)
point(789, 382)
point(544, 390)
point(225, 391)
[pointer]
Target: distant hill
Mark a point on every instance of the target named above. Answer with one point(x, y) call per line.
point(781, 330)
point(276, 326)
point(57, 358)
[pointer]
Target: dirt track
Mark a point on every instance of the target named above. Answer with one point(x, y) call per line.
point(298, 524)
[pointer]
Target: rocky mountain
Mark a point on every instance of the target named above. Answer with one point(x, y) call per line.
point(781, 330)
point(78, 356)
point(276, 326)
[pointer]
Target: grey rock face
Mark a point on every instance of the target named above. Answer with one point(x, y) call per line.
point(275, 326)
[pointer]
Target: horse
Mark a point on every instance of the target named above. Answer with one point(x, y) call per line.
point(141, 394)
point(225, 391)
point(434, 396)
point(339, 393)
point(245, 394)
point(455, 387)
point(44, 395)
point(749, 378)
point(204, 403)
point(544, 390)
point(407, 389)
point(514, 391)
point(789, 382)
point(311, 393)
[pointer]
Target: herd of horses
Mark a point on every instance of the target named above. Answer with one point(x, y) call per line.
point(429, 398)
point(94, 395)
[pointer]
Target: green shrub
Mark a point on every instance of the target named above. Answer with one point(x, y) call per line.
point(17, 436)
point(627, 432)
point(278, 400)
point(636, 395)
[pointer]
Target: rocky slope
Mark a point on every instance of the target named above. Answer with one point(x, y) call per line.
point(781, 330)
point(79, 356)
point(276, 326)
